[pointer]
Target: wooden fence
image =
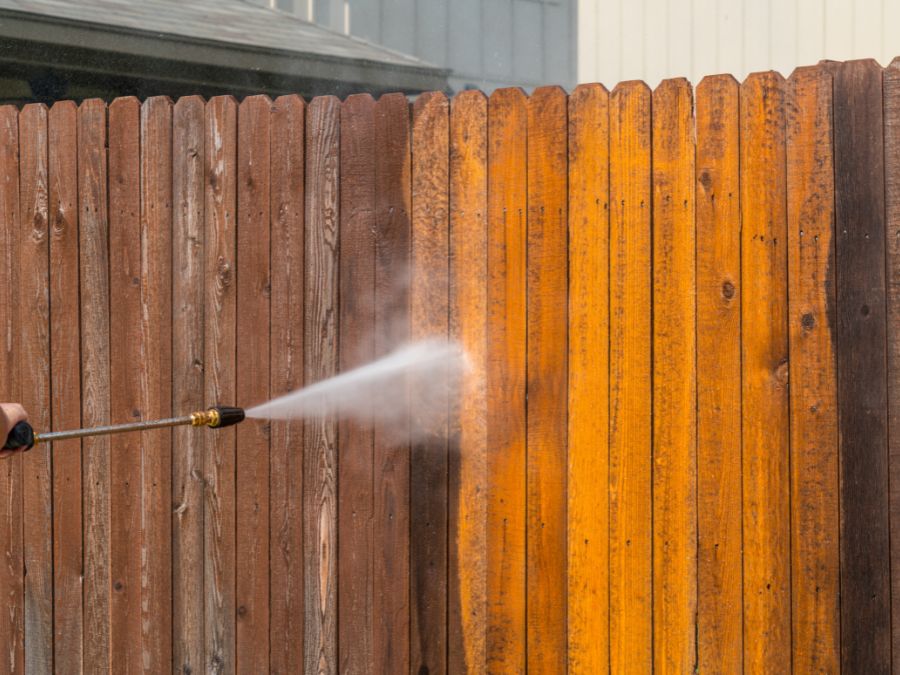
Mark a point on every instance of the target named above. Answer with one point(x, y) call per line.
point(678, 449)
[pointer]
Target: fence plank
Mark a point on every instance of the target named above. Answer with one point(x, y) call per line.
point(861, 362)
point(392, 250)
point(187, 382)
point(630, 508)
point(547, 325)
point(65, 383)
point(320, 362)
point(356, 622)
point(815, 551)
point(156, 382)
point(718, 215)
point(12, 649)
point(507, 204)
point(93, 234)
point(286, 374)
point(891, 83)
point(766, 480)
point(33, 333)
point(220, 313)
point(252, 384)
point(674, 381)
point(468, 447)
point(588, 397)
point(429, 318)
point(125, 363)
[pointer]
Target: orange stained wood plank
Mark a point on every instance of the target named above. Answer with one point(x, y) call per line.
point(815, 528)
point(33, 333)
point(630, 513)
point(125, 363)
point(429, 316)
point(95, 379)
point(65, 376)
point(674, 381)
point(588, 381)
point(718, 217)
point(220, 157)
point(764, 348)
point(286, 374)
point(507, 203)
point(468, 324)
point(252, 384)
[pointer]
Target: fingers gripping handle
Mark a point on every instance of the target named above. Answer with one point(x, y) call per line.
point(21, 437)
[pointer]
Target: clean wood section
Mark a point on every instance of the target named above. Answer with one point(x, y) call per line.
point(286, 340)
point(630, 392)
point(93, 234)
point(355, 556)
point(320, 337)
point(546, 467)
point(65, 384)
point(718, 218)
point(674, 381)
point(125, 381)
point(587, 508)
point(469, 450)
point(392, 489)
point(188, 127)
point(220, 314)
point(33, 333)
point(764, 350)
point(429, 316)
point(252, 385)
point(862, 367)
point(505, 484)
point(12, 583)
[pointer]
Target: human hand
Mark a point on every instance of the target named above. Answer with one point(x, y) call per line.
point(10, 415)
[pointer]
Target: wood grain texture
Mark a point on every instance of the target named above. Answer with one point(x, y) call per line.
point(188, 159)
point(630, 392)
point(429, 318)
point(220, 315)
point(156, 382)
point(320, 336)
point(125, 461)
point(719, 521)
point(588, 380)
point(547, 351)
point(12, 592)
point(252, 384)
point(674, 381)
point(862, 366)
point(469, 450)
point(286, 342)
point(764, 350)
point(93, 235)
point(33, 333)
point(392, 489)
point(507, 204)
point(356, 620)
point(65, 384)
point(815, 525)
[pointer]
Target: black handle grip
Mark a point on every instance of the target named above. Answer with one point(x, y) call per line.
point(21, 436)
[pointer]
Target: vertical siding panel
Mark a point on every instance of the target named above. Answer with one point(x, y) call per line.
point(609, 68)
point(730, 38)
point(34, 372)
point(838, 30)
point(810, 30)
point(588, 381)
point(704, 40)
point(655, 29)
point(507, 204)
point(630, 510)
point(757, 36)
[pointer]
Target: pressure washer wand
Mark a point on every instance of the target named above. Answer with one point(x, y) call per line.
point(217, 417)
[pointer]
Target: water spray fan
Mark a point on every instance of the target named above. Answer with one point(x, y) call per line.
point(217, 417)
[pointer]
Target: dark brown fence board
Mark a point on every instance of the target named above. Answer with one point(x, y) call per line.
point(286, 348)
point(356, 553)
point(862, 367)
point(320, 336)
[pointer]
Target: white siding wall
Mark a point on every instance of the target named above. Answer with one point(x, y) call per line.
point(654, 39)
